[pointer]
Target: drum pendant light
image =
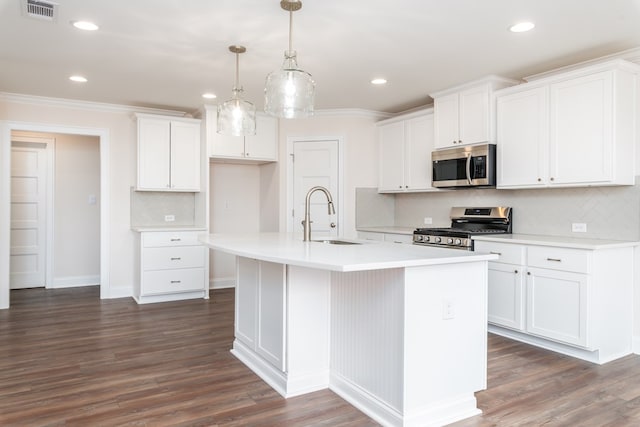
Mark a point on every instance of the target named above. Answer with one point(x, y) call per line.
point(289, 92)
point(236, 116)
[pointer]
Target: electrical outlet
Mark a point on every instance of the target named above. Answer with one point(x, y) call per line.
point(448, 310)
point(579, 227)
point(169, 218)
point(428, 220)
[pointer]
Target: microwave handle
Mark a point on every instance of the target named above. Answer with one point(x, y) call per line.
point(469, 169)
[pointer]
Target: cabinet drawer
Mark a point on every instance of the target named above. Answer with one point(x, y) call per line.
point(168, 238)
point(170, 281)
point(172, 258)
point(509, 253)
point(564, 259)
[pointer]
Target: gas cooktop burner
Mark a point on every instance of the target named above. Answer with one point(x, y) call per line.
point(466, 222)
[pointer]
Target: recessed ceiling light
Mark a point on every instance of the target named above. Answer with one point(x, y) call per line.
point(85, 25)
point(521, 27)
point(209, 96)
point(378, 81)
point(78, 79)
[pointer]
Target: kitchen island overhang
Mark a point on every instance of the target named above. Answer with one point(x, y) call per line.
point(399, 331)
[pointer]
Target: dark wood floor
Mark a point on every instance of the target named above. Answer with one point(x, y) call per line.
point(67, 358)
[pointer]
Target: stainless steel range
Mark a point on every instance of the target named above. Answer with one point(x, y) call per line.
point(465, 223)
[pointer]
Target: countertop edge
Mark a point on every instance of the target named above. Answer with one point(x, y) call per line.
point(558, 241)
point(143, 229)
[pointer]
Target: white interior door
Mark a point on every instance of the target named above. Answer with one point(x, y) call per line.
point(316, 163)
point(28, 215)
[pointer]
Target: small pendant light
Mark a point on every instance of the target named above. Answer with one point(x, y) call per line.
point(236, 116)
point(289, 92)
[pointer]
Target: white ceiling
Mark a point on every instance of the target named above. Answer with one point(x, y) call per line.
point(165, 54)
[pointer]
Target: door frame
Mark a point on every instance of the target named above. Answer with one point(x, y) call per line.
point(340, 211)
point(6, 127)
point(50, 144)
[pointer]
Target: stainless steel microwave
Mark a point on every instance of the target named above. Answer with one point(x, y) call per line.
point(470, 166)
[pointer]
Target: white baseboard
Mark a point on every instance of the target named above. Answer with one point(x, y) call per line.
point(635, 346)
point(74, 281)
point(120, 292)
point(222, 283)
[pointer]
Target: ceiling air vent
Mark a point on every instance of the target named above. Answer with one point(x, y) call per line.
point(39, 9)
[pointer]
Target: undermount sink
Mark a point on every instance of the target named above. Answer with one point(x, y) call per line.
point(336, 242)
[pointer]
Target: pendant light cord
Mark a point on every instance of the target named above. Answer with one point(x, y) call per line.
point(290, 31)
point(237, 71)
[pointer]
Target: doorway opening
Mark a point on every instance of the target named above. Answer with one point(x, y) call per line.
point(55, 216)
point(70, 227)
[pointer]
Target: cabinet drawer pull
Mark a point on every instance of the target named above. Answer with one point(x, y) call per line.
point(495, 253)
point(176, 281)
point(175, 258)
point(554, 259)
point(176, 239)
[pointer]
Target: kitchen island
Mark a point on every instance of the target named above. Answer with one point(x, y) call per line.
point(399, 331)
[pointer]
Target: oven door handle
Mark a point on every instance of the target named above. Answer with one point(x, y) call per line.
point(469, 169)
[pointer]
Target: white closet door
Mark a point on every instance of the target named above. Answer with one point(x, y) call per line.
point(28, 215)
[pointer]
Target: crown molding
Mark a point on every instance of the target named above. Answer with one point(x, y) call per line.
point(352, 112)
point(632, 55)
point(86, 105)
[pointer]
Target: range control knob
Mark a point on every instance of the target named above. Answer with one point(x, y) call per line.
point(438, 240)
point(426, 239)
point(458, 242)
point(449, 241)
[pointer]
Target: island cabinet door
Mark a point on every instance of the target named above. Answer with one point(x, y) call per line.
point(246, 301)
point(271, 313)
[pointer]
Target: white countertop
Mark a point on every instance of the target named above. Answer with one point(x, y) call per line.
point(558, 241)
point(287, 248)
point(388, 229)
point(141, 229)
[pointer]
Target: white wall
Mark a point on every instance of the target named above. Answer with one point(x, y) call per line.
point(118, 127)
point(234, 208)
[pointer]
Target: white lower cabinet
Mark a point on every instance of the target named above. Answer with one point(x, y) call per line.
point(506, 289)
point(260, 308)
point(575, 301)
point(557, 305)
point(173, 266)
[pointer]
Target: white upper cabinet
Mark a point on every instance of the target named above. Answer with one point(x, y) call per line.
point(168, 153)
point(463, 115)
point(523, 123)
point(405, 146)
point(259, 148)
point(572, 129)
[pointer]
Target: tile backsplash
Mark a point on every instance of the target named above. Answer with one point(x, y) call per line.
point(148, 208)
point(609, 212)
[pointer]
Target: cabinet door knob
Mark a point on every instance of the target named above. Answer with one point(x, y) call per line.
point(539, 179)
point(406, 186)
point(528, 273)
point(515, 271)
point(459, 141)
point(552, 178)
point(332, 225)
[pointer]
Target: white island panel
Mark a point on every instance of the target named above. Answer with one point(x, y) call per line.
point(399, 331)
